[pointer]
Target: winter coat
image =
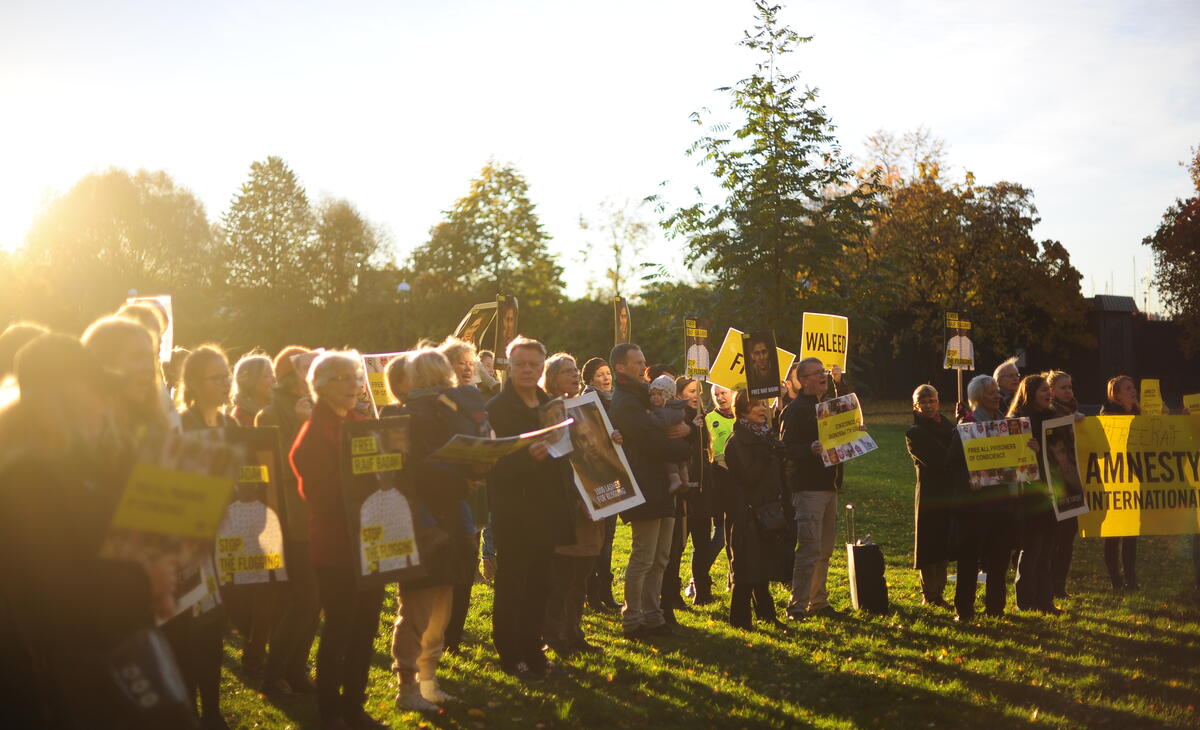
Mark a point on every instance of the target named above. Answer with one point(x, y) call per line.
point(315, 459)
point(647, 448)
point(755, 479)
point(928, 443)
point(998, 498)
point(281, 413)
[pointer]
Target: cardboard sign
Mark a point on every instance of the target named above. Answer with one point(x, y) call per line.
point(838, 422)
point(376, 368)
point(1062, 471)
point(1150, 398)
point(695, 347)
point(249, 544)
point(1140, 474)
point(998, 452)
point(507, 309)
point(622, 325)
point(380, 514)
point(602, 473)
point(763, 375)
point(475, 322)
point(485, 452)
point(827, 337)
point(1192, 403)
point(960, 351)
point(729, 370)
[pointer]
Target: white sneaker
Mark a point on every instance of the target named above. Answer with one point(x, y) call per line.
point(409, 699)
point(432, 692)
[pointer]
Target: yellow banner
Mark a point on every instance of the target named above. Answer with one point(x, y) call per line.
point(1141, 475)
point(170, 502)
point(729, 369)
point(376, 368)
point(998, 452)
point(1192, 403)
point(377, 463)
point(1151, 398)
point(825, 336)
point(839, 428)
point(363, 445)
point(253, 474)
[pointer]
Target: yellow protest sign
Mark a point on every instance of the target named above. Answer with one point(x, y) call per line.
point(253, 474)
point(1192, 403)
point(172, 502)
point(376, 368)
point(1151, 398)
point(377, 463)
point(998, 452)
point(729, 369)
point(825, 336)
point(839, 428)
point(1141, 475)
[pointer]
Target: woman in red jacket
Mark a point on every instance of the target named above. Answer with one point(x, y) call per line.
point(351, 614)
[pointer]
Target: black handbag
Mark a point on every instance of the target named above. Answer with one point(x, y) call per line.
point(148, 680)
point(770, 517)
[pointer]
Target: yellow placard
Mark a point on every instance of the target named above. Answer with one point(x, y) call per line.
point(729, 369)
point(998, 452)
point(839, 429)
point(825, 336)
point(253, 474)
point(228, 564)
point(1140, 474)
point(1151, 398)
point(364, 445)
point(1192, 403)
point(379, 389)
point(376, 463)
point(171, 502)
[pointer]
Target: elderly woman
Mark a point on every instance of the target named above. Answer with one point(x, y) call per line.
point(351, 613)
point(253, 381)
point(570, 565)
point(1035, 585)
point(1121, 399)
point(928, 442)
point(986, 515)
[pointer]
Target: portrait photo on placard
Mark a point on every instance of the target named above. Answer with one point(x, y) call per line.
point(761, 363)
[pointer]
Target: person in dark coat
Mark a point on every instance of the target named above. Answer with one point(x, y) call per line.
point(648, 449)
point(437, 412)
point(1120, 553)
point(1063, 402)
point(60, 481)
point(928, 442)
point(531, 515)
point(985, 516)
point(351, 613)
point(1034, 585)
point(598, 379)
point(760, 554)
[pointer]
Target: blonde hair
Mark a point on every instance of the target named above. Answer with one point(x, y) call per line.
point(193, 366)
point(321, 371)
point(454, 348)
point(1053, 376)
point(395, 374)
point(430, 369)
point(922, 391)
point(554, 363)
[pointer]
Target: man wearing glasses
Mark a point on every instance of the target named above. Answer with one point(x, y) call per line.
point(813, 487)
point(1008, 379)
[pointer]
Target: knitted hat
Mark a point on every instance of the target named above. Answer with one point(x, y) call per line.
point(664, 383)
point(283, 361)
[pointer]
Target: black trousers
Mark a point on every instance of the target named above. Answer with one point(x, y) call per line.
point(464, 583)
point(1034, 585)
point(292, 639)
point(739, 604)
point(1121, 552)
point(521, 589)
point(986, 541)
point(199, 647)
point(603, 574)
point(347, 641)
point(1062, 552)
point(708, 539)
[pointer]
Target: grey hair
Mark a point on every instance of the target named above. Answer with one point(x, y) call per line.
point(1001, 367)
point(322, 368)
point(523, 341)
point(922, 391)
point(554, 363)
point(248, 371)
point(976, 387)
point(808, 361)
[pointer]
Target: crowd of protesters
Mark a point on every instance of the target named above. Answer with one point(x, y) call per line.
point(743, 477)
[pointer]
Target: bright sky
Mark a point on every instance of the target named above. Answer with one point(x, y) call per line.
point(396, 105)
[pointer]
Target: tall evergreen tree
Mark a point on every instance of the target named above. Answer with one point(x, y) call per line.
point(270, 230)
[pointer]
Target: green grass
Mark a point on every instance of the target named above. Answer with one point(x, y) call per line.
point(1108, 661)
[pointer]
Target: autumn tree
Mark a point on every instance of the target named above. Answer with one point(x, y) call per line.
point(617, 237)
point(792, 211)
point(1176, 247)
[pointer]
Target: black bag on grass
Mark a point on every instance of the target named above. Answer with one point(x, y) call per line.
point(864, 564)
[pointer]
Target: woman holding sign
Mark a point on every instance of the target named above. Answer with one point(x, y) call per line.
point(1034, 585)
point(351, 614)
point(928, 443)
point(1121, 552)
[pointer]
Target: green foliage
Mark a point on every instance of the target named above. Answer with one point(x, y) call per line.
point(1176, 246)
point(622, 236)
point(786, 231)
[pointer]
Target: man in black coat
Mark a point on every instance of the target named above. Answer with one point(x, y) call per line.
point(814, 491)
point(527, 495)
point(648, 449)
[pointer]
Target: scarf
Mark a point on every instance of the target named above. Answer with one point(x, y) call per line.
point(761, 430)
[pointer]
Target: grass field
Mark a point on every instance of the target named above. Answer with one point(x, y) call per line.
point(1109, 661)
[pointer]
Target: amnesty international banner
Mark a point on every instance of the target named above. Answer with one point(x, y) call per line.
point(1150, 397)
point(729, 369)
point(825, 336)
point(1140, 474)
point(838, 422)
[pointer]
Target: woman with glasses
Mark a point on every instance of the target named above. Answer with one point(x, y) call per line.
point(351, 613)
point(928, 442)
